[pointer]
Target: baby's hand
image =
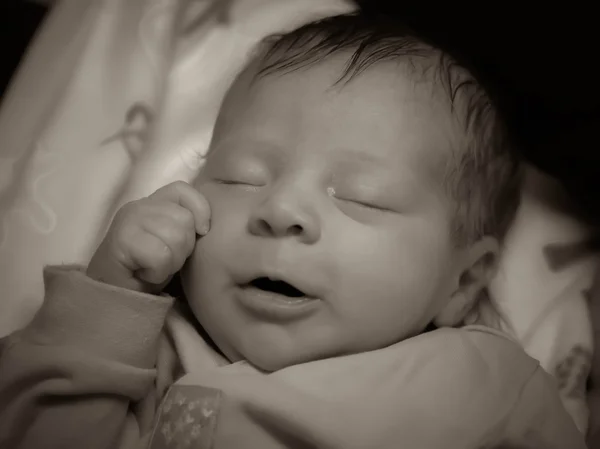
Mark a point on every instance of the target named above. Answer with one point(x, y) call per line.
point(150, 239)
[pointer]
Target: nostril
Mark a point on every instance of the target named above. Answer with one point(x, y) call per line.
point(265, 227)
point(295, 230)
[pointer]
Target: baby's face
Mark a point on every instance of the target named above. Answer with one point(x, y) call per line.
point(330, 191)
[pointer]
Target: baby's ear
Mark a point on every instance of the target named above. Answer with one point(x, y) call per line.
point(479, 265)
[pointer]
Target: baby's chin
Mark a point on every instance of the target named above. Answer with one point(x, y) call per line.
point(269, 364)
point(271, 358)
point(264, 359)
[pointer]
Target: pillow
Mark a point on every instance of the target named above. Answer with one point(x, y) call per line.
point(594, 384)
point(541, 287)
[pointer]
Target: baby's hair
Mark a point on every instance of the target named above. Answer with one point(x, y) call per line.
point(482, 179)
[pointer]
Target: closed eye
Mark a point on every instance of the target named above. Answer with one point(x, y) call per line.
point(239, 185)
point(367, 206)
point(228, 182)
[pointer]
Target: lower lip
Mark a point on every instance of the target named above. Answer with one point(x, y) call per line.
point(273, 306)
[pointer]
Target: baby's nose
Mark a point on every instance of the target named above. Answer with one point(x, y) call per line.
point(281, 217)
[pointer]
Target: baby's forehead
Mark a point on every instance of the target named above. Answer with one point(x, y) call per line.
point(350, 50)
point(430, 81)
point(405, 92)
point(400, 79)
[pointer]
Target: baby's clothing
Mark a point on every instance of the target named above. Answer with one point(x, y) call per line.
point(102, 367)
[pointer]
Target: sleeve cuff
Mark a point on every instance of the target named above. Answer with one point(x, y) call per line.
point(88, 315)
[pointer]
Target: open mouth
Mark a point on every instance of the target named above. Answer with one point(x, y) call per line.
point(275, 300)
point(276, 286)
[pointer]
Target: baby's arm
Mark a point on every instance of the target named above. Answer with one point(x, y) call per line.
point(81, 375)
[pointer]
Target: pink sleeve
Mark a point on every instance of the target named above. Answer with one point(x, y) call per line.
point(79, 375)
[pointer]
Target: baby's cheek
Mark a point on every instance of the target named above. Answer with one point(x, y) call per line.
point(221, 248)
point(201, 267)
point(216, 247)
point(207, 248)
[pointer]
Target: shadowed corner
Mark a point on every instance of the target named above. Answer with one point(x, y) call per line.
point(561, 255)
point(19, 22)
point(513, 446)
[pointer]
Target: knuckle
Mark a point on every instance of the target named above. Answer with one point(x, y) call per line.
point(129, 207)
point(173, 240)
point(162, 256)
point(129, 213)
point(179, 184)
point(121, 237)
point(154, 276)
point(180, 239)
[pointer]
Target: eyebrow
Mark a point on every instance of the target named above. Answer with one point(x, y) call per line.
point(348, 156)
point(262, 148)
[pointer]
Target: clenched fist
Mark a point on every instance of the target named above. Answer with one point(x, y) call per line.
point(150, 239)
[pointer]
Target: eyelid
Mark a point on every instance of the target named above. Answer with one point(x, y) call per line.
point(233, 176)
point(373, 206)
point(231, 173)
point(367, 205)
point(238, 185)
point(227, 182)
point(241, 184)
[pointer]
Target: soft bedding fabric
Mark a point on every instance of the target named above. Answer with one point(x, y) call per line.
point(118, 97)
point(111, 104)
point(542, 288)
point(594, 381)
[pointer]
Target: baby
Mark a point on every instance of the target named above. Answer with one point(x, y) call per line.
point(355, 196)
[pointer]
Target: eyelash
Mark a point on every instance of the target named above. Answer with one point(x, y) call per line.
point(240, 185)
point(227, 183)
point(367, 206)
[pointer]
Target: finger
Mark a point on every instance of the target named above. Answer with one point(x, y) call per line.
point(152, 208)
point(151, 258)
point(184, 230)
point(180, 239)
point(174, 223)
point(188, 197)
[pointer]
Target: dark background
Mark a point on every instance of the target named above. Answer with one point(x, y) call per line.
point(541, 61)
point(18, 22)
point(543, 64)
